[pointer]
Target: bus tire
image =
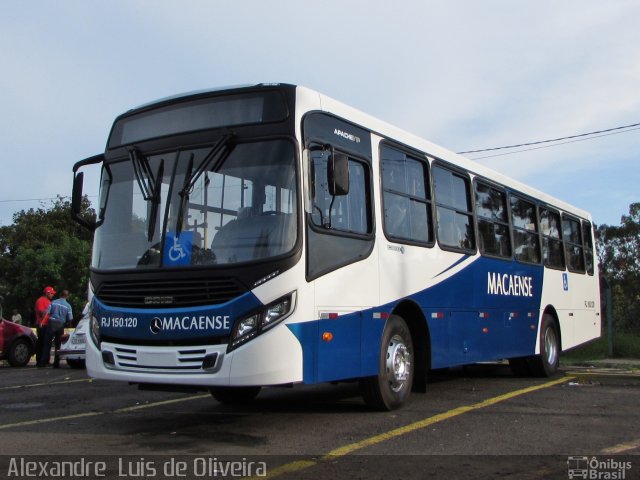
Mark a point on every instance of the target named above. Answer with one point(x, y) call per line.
point(547, 362)
point(392, 386)
point(234, 395)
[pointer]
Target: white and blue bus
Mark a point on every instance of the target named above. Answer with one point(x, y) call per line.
point(268, 235)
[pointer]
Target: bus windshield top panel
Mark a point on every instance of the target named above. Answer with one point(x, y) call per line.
point(199, 114)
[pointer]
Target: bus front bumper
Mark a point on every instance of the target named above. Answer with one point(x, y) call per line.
point(274, 358)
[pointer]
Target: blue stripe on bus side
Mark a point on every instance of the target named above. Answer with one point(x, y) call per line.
point(477, 314)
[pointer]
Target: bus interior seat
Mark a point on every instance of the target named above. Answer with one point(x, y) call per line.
point(249, 238)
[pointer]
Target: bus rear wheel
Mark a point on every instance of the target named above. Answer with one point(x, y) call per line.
point(392, 386)
point(547, 362)
point(234, 395)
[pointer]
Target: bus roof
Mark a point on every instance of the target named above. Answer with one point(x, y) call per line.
point(386, 130)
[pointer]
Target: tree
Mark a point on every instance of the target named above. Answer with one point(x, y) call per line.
point(619, 255)
point(42, 247)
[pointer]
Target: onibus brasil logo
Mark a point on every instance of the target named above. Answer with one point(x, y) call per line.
point(593, 468)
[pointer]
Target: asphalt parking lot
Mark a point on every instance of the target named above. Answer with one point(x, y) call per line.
point(474, 422)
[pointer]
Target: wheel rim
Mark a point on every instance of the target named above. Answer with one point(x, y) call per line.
point(550, 346)
point(21, 353)
point(398, 364)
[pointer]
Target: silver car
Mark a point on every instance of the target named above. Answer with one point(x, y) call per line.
point(74, 349)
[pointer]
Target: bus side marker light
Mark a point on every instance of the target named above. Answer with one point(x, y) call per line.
point(327, 336)
point(485, 330)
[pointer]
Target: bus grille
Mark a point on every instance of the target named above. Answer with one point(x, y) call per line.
point(173, 360)
point(169, 293)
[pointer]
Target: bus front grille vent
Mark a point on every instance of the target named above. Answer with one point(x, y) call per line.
point(169, 293)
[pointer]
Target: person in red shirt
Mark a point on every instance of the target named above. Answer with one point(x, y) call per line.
point(42, 314)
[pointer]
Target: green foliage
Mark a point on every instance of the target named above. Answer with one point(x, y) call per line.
point(619, 252)
point(625, 345)
point(44, 246)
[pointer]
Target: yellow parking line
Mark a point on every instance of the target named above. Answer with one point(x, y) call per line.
point(338, 452)
point(94, 414)
point(40, 421)
point(158, 404)
point(347, 449)
point(29, 385)
point(621, 448)
point(333, 454)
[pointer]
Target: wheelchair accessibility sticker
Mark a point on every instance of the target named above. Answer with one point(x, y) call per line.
point(565, 282)
point(177, 249)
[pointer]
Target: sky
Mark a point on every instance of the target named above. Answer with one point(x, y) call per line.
point(465, 74)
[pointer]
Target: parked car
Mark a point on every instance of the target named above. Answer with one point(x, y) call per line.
point(73, 350)
point(17, 343)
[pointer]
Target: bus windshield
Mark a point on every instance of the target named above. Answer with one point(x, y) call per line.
point(216, 205)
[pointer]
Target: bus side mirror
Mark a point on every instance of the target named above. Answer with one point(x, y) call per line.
point(76, 202)
point(338, 174)
point(76, 195)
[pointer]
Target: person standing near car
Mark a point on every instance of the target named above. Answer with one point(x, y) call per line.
point(42, 311)
point(60, 314)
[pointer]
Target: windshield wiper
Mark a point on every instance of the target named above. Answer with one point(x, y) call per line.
point(155, 201)
point(149, 185)
point(212, 161)
point(143, 173)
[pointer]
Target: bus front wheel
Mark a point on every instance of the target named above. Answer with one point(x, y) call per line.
point(391, 387)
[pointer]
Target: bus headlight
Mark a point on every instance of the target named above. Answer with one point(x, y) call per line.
point(249, 327)
point(95, 331)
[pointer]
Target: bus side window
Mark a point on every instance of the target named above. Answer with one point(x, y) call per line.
point(573, 244)
point(587, 236)
point(493, 221)
point(453, 210)
point(551, 230)
point(526, 240)
point(406, 197)
point(349, 213)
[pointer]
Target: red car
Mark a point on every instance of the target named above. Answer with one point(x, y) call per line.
point(17, 343)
